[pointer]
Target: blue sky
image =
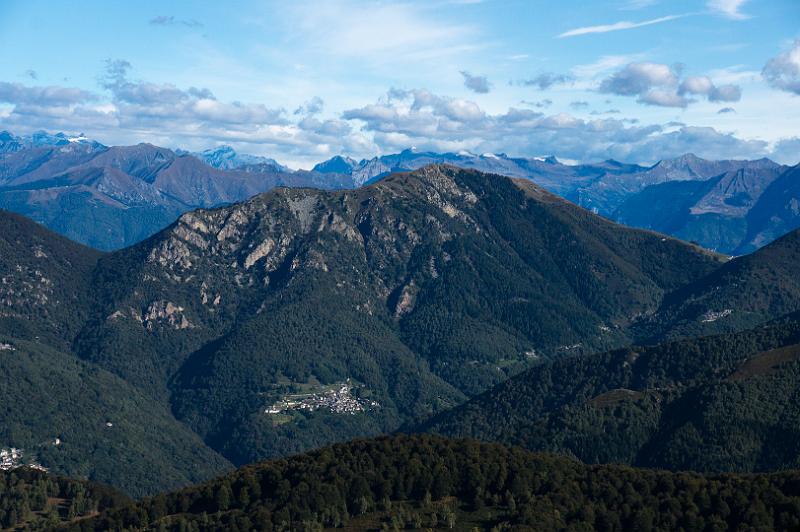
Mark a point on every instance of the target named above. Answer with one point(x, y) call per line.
point(636, 80)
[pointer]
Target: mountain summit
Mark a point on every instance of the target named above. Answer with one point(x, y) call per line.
point(226, 158)
point(410, 295)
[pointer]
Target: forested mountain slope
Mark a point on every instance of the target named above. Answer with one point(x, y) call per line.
point(719, 403)
point(414, 293)
point(44, 281)
point(82, 421)
point(745, 292)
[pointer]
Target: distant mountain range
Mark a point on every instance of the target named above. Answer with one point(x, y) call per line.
point(226, 158)
point(111, 197)
point(714, 203)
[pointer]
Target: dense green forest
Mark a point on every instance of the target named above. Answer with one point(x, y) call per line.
point(743, 293)
point(720, 403)
point(84, 422)
point(33, 500)
point(427, 482)
point(44, 282)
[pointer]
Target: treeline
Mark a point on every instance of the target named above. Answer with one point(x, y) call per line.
point(33, 500)
point(431, 482)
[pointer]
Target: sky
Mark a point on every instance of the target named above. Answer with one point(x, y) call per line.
point(634, 80)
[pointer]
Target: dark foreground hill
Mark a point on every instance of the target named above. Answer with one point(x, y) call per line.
point(425, 482)
point(303, 317)
point(720, 403)
point(34, 500)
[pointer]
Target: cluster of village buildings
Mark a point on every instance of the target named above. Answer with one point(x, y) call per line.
point(11, 458)
point(338, 400)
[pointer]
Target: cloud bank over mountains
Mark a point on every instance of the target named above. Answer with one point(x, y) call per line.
point(139, 110)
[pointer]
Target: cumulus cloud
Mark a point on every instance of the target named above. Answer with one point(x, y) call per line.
point(142, 101)
point(312, 107)
point(19, 94)
point(130, 110)
point(728, 8)
point(545, 80)
point(787, 151)
point(639, 78)
point(420, 118)
point(661, 85)
point(704, 86)
point(134, 111)
point(783, 71)
point(479, 84)
point(171, 20)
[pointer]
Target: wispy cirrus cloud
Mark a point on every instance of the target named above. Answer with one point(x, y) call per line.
point(382, 33)
point(171, 20)
point(618, 26)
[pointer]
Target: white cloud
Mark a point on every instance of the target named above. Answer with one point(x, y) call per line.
point(604, 64)
point(659, 84)
point(546, 80)
point(728, 8)
point(432, 122)
point(379, 32)
point(787, 151)
point(783, 71)
point(479, 84)
point(19, 94)
point(617, 26)
point(639, 4)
